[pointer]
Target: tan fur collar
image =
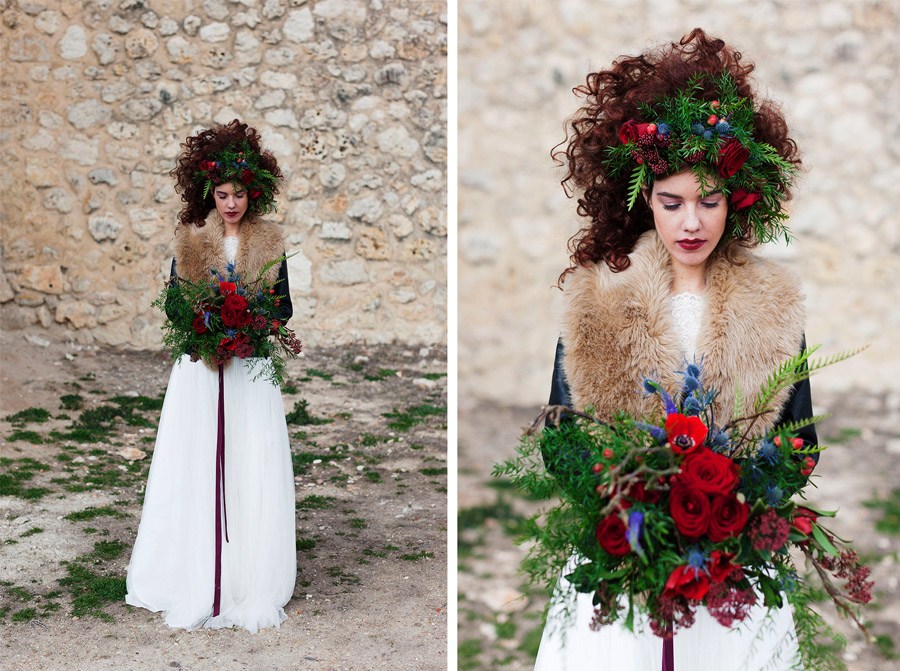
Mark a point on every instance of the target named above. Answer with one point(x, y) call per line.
point(200, 248)
point(618, 328)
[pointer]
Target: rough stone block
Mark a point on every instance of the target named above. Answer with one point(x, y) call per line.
point(73, 45)
point(141, 43)
point(344, 273)
point(104, 227)
point(47, 279)
point(88, 114)
point(299, 25)
point(78, 313)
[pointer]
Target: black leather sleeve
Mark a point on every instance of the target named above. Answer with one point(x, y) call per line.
point(562, 466)
point(559, 387)
point(285, 308)
point(799, 406)
point(173, 280)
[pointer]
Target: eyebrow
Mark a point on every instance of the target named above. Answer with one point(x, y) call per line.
point(666, 194)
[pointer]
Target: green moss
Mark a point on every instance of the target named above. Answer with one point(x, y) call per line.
point(24, 615)
point(300, 415)
point(405, 420)
point(91, 592)
point(371, 440)
point(372, 476)
point(358, 523)
point(434, 376)
point(31, 532)
point(93, 513)
point(289, 388)
point(434, 471)
point(505, 630)
point(32, 437)
point(313, 372)
point(305, 544)
point(106, 551)
point(342, 578)
point(71, 401)
point(303, 460)
point(417, 556)
point(20, 594)
point(29, 415)
point(315, 502)
point(382, 374)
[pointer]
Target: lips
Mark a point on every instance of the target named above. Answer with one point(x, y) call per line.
point(691, 244)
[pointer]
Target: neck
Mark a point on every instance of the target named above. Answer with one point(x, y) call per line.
point(690, 279)
point(232, 229)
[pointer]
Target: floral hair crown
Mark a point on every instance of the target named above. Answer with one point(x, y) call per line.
point(713, 139)
point(240, 165)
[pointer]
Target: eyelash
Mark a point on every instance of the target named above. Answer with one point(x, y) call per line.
point(674, 206)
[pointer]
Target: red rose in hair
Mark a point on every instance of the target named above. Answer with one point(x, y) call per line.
point(742, 198)
point(709, 472)
point(246, 176)
point(727, 517)
point(227, 288)
point(803, 520)
point(732, 156)
point(685, 433)
point(720, 566)
point(255, 194)
point(611, 536)
point(689, 582)
point(631, 130)
point(199, 325)
point(690, 510)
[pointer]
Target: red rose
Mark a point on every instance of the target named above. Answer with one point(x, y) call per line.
point(631, 130)
point(255, 194)
point(199, 325)
point(207, 165)
point(236, 302)
point(803, 520)
point(246, 176)
point(727, 517)
point(709, 472)
point(243, 318)
point(689, 582)
point(275, 324)
point(720, 566)
point(611, 536)
point(742, 198)
point(230, 316)
point(685, 433)
point(227, 288)
point(732, 156)
point(639, 492)
point(690, 510)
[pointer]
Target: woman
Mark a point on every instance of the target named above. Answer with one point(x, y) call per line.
point(235, 565)
point(681, 169)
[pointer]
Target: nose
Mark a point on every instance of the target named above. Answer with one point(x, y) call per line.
point(691, 221)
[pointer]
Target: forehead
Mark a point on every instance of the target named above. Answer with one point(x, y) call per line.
point(228, 187)
point(685, 184)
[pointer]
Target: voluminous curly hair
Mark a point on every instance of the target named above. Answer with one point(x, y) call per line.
point(612, 97)
point(202, 147)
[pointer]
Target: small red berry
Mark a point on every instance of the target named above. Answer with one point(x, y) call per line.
point(598, 468)
point(777, 440)
point(608, 453)
point(640, 160)
point(714, 104)
point(277, 303)
point(712, 120)
point(808, 465)
point(651, 128)
point(797, 443)
point(599, 489)
point(271, 291)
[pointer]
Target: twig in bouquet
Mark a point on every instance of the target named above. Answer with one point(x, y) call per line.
point(837, 596)
point(554, 414)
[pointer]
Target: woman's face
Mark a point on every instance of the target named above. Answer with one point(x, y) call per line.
point(231, 203)
point(689, 225)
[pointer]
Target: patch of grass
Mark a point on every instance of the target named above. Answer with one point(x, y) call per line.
point(305, 544)
point(24, 615)
point(106, 551)
point(300, 415)
point(382, 374)
point(340, 479)
point(416, 446)
point(417, 556)
point(355, 367)
point(531, 641)
point(889, 523)
point(372, 476)
point(405, 420)
point(358, 523)
point(434, 471)
point(375, 553)
point(32, 437)
point(467, 652)
point(342, 578)
point(844, 434)
point(434, 376)
point(31, 532)
point(313, 372)
point(885, 645)
point(20, 594)
point(71, 401)
point(289, 388)
point(371, 440)
point(91, 592)
point(28, 416)
point(315, 502)
point(506, 629)
point(11, 482)
point(303, 460)
point(93, 513)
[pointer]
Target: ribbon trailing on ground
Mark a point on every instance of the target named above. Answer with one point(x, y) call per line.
point(221, 511)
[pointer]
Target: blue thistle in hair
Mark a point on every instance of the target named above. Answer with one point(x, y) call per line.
point(707, 135)
point(723, 127)
point(663, 129)
point(697, 128)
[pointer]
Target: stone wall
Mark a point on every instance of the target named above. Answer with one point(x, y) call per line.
point(350, 95)
point(834, 67)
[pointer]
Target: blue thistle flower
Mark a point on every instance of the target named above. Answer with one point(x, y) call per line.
point(768, 452)
point(658, 433)
point(693, 369)
point(788, 583)
point(692, 405)
point(230, 333)
point(707, 135)
point(723, 127)
point(663, 129)
point(230, 267)
point(206, 316)
point(773, 495)
point(696, 559)
point(635, 522)
point(719, 440)
point(650, 386)
point(691, 383)
point(259, 295)
point(697, 128)
point(212, 271)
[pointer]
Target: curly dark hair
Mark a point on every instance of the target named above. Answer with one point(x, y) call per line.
point(612, 97)
point(203, 146)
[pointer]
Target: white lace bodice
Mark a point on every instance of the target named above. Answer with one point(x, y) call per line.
point(687, 315)
point(231, 245)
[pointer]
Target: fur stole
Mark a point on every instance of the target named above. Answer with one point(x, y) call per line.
point(618, 328)
point(200, 248)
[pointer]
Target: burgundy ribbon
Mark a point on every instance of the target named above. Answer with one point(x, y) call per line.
point(221, 510)
point(668, 659)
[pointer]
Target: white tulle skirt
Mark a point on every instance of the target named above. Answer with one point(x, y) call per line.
point(173, 560)
point(762, 641)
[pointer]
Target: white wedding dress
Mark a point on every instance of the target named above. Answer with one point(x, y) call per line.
point(172, 563)
point(763, 642)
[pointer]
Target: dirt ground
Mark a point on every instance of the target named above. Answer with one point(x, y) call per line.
point(500, 618)
point(371, 521)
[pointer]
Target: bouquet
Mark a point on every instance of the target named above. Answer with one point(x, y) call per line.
point(228, 317)
point(670, 513)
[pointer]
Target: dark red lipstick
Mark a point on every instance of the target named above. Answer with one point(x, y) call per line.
point(690, 244)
